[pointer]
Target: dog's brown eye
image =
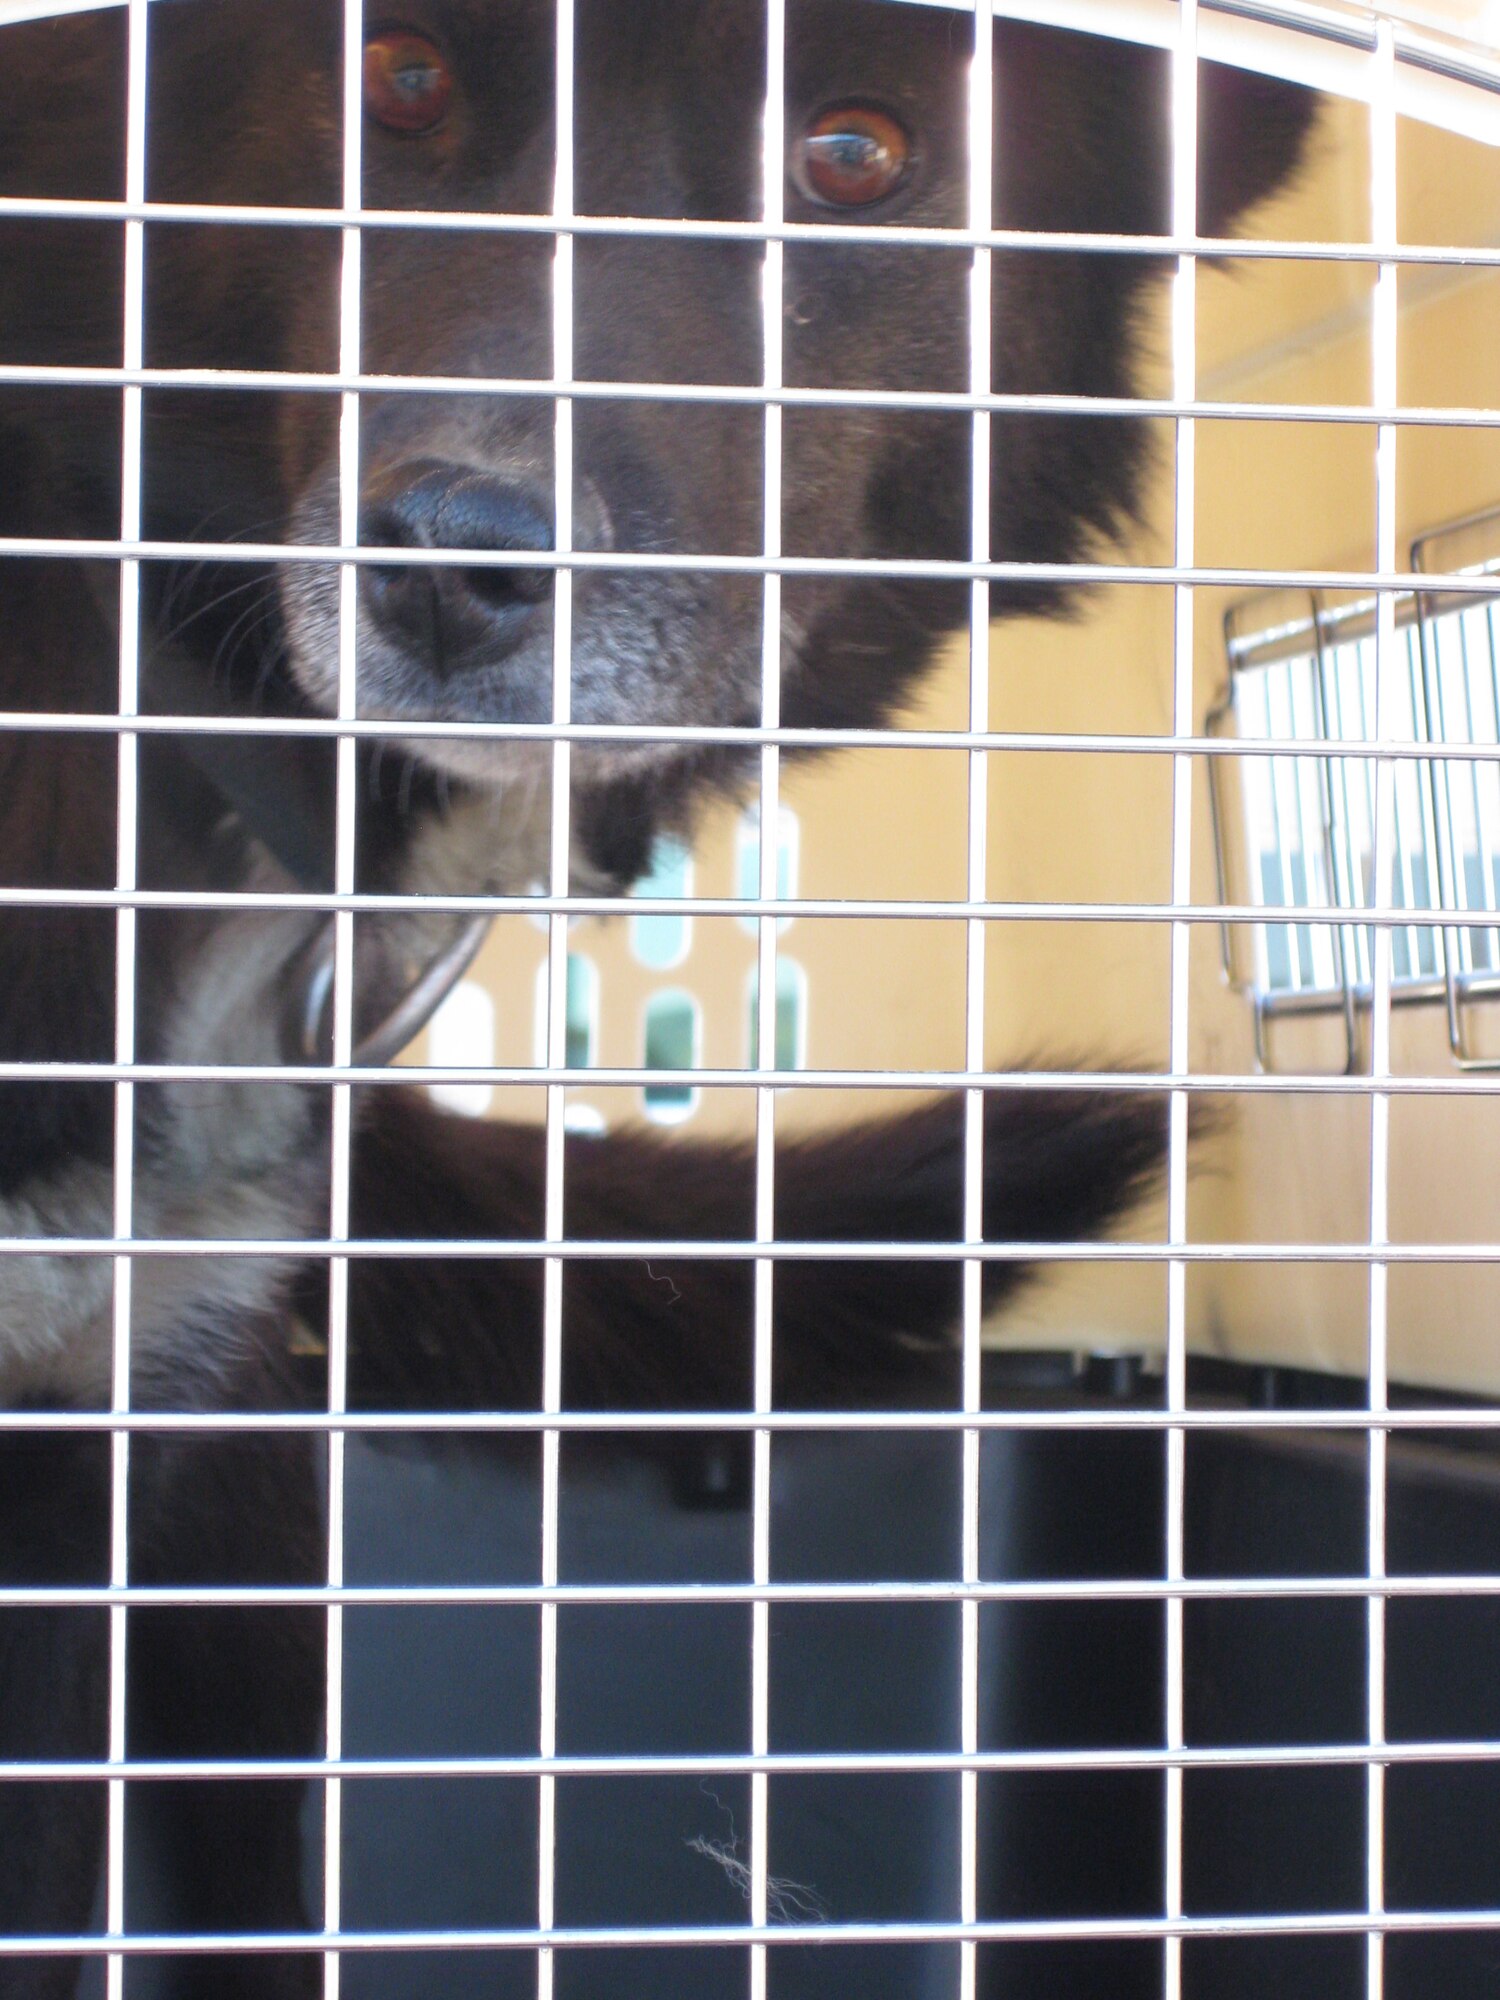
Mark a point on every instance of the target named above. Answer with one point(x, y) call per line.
point(852, 155)
point(407, 81)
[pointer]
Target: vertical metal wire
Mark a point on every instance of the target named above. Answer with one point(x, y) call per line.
point(981, 284)
point(557, 972)
point(1184, 148)
point(1384, 344)
point(773, 209)
point(126, 870)
point(345, 802)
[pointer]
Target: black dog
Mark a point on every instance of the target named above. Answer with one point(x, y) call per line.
point(459, 101)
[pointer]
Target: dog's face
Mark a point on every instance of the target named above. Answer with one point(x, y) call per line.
point(668, 124)
point(459, 116)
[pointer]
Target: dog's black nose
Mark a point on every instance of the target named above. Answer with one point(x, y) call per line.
point(453, 613)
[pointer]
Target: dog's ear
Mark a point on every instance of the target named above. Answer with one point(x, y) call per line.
point(1083, 143)
point(1252, 133)
point(1083, 134)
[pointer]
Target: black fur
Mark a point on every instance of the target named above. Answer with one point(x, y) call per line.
point(244, 109)
point(1057, 1163)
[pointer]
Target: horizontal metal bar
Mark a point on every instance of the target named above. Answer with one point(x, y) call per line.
point(34, 722)
point(924, 910)
point(756, 396)
point(714, 1423)
point(635, 1078)
point(706, 1936)
point(883, 235)
point(789, 1764)
point(1207, 1083)
point(586, 1250)
point(421, 1597)
point(876, 568)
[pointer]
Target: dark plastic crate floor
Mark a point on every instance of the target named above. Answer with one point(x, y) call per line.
point(675, 1680)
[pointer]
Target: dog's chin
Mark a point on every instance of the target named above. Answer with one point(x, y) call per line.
point(489, 763)
point(493, 761)
point(479, 754)
point(499, 767)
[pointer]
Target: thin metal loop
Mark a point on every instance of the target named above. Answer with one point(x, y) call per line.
point(309, 1023)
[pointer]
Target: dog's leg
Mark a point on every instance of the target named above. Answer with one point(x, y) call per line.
point(54, 1499)
point(229, 1683)
point(464, 1333)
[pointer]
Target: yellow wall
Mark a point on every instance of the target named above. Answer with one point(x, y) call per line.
point(1097, 828)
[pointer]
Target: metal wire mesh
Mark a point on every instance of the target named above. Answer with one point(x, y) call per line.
point(1385, 65)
